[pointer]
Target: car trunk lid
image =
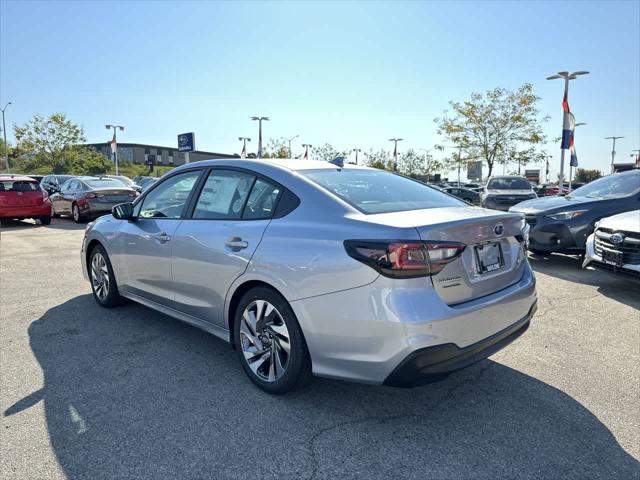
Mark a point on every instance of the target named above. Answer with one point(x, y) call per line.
point(21, 198)
point(114, 195)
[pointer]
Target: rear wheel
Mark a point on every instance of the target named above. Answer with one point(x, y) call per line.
point(103, 281)
point(45, 220)
point(272, 349)
point(75, 213)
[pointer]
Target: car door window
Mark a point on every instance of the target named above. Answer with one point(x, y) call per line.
point(262, 200)
point(223, 195)
point(169, 198)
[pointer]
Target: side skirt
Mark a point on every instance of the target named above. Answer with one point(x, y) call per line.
point(219, 332)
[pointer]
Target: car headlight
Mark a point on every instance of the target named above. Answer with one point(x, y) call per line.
point(567, 215)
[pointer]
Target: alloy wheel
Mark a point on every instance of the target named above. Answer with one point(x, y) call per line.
point(265, 340)
point(76, 213)
point(100, 276)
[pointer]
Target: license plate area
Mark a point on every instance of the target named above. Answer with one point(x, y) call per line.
point(612, 257)
point(489, 257)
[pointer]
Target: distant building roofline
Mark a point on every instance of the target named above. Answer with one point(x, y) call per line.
point(146, 145)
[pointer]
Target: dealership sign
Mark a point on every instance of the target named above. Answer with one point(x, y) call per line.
point(186, 142)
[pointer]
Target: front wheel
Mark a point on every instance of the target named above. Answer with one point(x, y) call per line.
point(103, 281)
point(272, 349)
point(45, 220)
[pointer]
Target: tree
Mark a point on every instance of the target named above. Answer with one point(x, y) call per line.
point(275, 148)
point(326, 153)
point(584, 175)
point(49, 142)
point(380, 159)
point(87, 161)
point(497, 124)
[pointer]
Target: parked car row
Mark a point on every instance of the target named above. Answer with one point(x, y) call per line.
point(81, 197)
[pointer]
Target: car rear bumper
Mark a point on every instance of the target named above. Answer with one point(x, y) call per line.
point(367, 333)
point(95, 209)
point(30, 211)
point(432, 364)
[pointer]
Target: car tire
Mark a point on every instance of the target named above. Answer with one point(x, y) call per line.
point(75, 214)
point(535, 251)
point(103, 283)
point(45, 220)
point(262, 339)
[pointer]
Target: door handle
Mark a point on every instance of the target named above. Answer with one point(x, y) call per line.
point(162, 237)
point(236, 243)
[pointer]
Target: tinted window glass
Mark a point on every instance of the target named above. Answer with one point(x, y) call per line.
point(612, 186)
point(168, 199)
point(62, 178)
point(66, 185)
point(104, 183)
point(262, 200)
point(508, 184)
point(223, 195)
point(18, 186)
point(377, 191)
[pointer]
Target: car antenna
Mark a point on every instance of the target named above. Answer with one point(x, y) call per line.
point(339, 161)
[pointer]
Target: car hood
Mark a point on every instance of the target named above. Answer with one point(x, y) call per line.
point(545, 204)
point(628, 221)
point(508, 192)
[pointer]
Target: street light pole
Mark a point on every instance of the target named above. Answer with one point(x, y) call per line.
point(566, 76)
point(4, 132)
point(395, 152)
point(244, 141)
point(613, 151)
point(289, 140)
point(356, 150)
point(115, 151)
point(306, 146)
point(259, 120)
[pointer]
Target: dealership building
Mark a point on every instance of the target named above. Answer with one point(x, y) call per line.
point(140, 153)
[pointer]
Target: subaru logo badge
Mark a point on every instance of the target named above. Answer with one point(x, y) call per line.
point(616, 238)
point(498, 229)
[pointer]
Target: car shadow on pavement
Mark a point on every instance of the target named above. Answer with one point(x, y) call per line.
point(131, 393)
point(56, 224)
point(569, 268)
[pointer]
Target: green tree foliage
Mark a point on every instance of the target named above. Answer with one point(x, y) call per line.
point(275, 148)
point(584, 175)
point(327, 153)
point(380, 159)
point(497, 124)
point(48, 143)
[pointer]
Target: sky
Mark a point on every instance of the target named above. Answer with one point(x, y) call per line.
point(348, 74)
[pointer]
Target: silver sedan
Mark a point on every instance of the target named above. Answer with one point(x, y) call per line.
point(308, 267)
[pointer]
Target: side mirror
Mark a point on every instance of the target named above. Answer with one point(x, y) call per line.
point(123, 211)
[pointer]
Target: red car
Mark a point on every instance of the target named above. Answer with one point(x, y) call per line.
point(22, 197)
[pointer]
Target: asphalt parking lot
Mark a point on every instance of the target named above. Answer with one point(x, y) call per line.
point(130, 393)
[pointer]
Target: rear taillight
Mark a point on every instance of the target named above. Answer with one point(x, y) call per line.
point(94, 195)
point(409, 259)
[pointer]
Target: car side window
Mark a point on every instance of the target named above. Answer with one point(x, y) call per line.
point(66, 186)
point(262, 200)
point(223, 195)
point(168, 199)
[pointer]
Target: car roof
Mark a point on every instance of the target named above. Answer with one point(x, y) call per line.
point(292, 164)
point(507, 176)
point(19, 178)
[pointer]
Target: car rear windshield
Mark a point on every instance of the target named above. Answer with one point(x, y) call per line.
point(617, 185)
point(105, 183)
point(18, 186)
point(377, 191)
point(508, 184)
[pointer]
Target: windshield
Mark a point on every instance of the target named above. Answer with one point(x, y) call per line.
point(613, 186)
point(508, 184)
point(126, 181)
point(104, 183)
point(377, 191)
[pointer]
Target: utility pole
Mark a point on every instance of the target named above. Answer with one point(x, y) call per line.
point(244, 141)
point(356, 150)
point(4, 132)
point(259, 120)
point(114, 143)
point(306, 146)
point(289, 140)
point(613, 151)
point(565, 104)
point(395, 152)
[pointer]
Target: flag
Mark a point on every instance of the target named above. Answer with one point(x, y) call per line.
point(243, 153)
point(114, 148)
point(568, 125)
point(574, 157)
